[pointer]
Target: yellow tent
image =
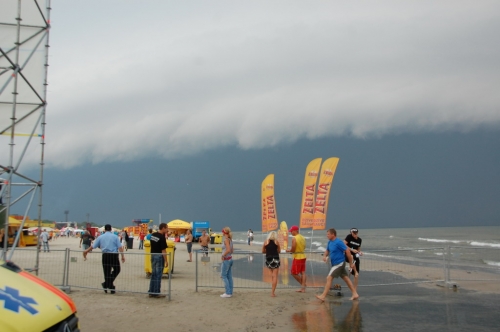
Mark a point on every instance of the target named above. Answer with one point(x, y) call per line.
point(179, 224)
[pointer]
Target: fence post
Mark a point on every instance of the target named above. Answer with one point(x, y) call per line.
point(65, 284)
point(64, 267)
point(196, 258)
point(171, 259)
point(447, 267)
point(448, 255)
point(444, 264)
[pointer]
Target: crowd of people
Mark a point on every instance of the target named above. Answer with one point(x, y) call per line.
point(344, 256)
point(338, 252)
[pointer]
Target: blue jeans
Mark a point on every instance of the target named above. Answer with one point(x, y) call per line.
point(157, 265)
point(45, 246)
point(227, 276)
point(141, 244)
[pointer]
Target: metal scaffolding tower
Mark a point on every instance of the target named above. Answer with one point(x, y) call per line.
point(24, 45)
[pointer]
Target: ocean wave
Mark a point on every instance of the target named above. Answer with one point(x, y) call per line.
point(493, 263)
point(484, 244)
point(321, 248)
point(392, 257)
point(317, 243)
point(440, 240)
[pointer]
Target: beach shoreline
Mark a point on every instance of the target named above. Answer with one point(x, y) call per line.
point(248, 309)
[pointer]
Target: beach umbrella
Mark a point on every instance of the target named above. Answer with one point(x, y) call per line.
point(179, 224)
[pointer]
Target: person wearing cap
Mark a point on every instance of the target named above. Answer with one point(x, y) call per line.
point(336, 249)
point(353, 242)
point(298, 270)
point(110, 245)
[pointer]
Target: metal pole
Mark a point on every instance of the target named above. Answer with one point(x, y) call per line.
point(67, 289)
point(171, 258)
point(196, 257)
point(18, 235)
point(448, 266)
point(66, 253)
point(444, 266)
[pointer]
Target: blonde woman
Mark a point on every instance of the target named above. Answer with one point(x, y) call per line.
point(227, 262)
point(271, 248)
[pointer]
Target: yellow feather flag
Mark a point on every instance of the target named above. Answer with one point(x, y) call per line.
point(308, 193)
point(323, 193)
point(270, 204)
point(269, 214)
point(264, 206)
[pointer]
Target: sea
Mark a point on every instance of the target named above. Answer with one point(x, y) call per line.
point(393, 242)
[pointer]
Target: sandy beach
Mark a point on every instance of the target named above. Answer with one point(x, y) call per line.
point(248, 310)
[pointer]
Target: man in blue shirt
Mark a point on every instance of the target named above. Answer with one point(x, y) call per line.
point(110, 246)
point(336, 249)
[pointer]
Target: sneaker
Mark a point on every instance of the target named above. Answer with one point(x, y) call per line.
point(157, 296)
point(226, 295)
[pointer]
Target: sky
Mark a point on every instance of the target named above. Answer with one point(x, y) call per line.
point(181, 108)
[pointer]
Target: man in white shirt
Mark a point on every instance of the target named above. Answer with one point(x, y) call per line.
point(45, 240)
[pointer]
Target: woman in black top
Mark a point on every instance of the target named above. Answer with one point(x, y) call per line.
point(271, 248)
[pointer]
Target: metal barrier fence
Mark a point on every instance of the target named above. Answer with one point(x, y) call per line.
point(378, 268)
point(67, 269)
point(446, 265)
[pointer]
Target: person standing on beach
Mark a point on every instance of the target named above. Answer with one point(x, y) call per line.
point(141, 239)
point(124, 239)
point(158, 260)
point(2, 235)
point(189, 244)
point(298, 270)
point(45, 240)
point(86, 240)
point(271, 248)
point(227, 262)
point(353, 242)
point(336, 249)
point(249, 237)
point(110, 246)
point(204, 240)
point(148, 237)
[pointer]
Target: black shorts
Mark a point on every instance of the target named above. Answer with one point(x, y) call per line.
point(356, 263)
point(272, 262)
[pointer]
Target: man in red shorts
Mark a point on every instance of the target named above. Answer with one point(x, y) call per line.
point(298, 270)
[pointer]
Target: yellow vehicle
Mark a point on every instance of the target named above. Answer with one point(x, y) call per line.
point(27, 303)
point(170, 256)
